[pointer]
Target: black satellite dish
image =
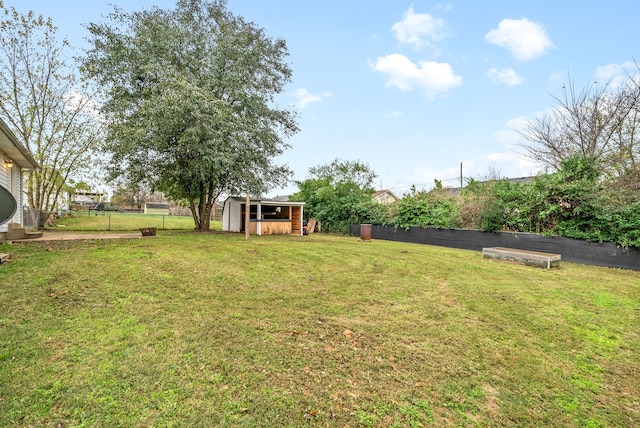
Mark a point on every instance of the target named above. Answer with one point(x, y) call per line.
point(8, 205)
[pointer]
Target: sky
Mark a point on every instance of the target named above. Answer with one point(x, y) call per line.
point(417, 90)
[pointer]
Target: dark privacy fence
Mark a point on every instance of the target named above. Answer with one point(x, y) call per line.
point(571, 250)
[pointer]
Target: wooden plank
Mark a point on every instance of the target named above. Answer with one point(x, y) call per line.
point(311, 226)
point(275, 227)
point(527, 257)
point(252, 229)
point(4, 258)
point(296, 221)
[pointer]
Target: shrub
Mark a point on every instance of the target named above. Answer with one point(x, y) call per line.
point(437, 209)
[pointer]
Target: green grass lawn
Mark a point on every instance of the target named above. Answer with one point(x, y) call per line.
point(207, 329)
point(117, 221)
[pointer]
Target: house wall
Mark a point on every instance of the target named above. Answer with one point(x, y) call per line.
point(18, 193)
point(386, 198)
point(4, 182)
point(4, 174)
point(11, 179)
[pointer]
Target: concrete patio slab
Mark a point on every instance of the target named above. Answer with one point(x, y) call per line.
point(79, 236)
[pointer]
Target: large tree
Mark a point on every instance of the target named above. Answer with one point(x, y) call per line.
point(339, 193)
point(189, 100)
point(46, 104)
point(600, 122)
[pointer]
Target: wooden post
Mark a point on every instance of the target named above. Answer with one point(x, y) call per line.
point(258, 219)
point(247, 217)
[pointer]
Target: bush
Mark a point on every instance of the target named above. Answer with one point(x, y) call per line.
point(574, 202)
point(437, 209)
point(491, 216)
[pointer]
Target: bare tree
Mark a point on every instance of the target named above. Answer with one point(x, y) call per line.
point(600, 122)
point(491, 175)
point(46, 104)
point(624, 158)
point(131, 195)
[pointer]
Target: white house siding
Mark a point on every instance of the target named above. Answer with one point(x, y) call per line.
point(11, 178)
point(8, 181)
point(4, 182)
point(17, 188)
point(4, 174)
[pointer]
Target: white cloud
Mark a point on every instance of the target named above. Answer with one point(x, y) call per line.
point(419, 29)
point(508, 76)
point(509, 134)
point(525, 39)
point(431, 77)
point(395, 114)
point(423, 177)
point(304, 97)
point(507, 159)
point(506, 164)
point(513, 162)
point(443, 7)
point(616, 74)
point(78, 102)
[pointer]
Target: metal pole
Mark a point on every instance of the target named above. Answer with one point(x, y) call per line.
point(247, 217)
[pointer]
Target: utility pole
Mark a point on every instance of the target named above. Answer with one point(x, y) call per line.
point(460, 175)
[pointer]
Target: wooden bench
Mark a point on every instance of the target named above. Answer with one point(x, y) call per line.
point(530, 258)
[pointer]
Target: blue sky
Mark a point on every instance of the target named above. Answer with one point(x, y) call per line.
point(415, 88)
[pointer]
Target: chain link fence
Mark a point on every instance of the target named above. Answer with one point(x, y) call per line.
point(110, 220)
point(31, 218)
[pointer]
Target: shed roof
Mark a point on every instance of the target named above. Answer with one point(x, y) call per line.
point(265, 201)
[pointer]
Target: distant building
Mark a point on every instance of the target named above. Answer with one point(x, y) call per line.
point(87, 199)
point(384, 197)
point(283, 198)
point(156, 208)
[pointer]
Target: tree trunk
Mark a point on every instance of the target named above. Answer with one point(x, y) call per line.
point(205, 219)
point(194, 214)
point(202, 212)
